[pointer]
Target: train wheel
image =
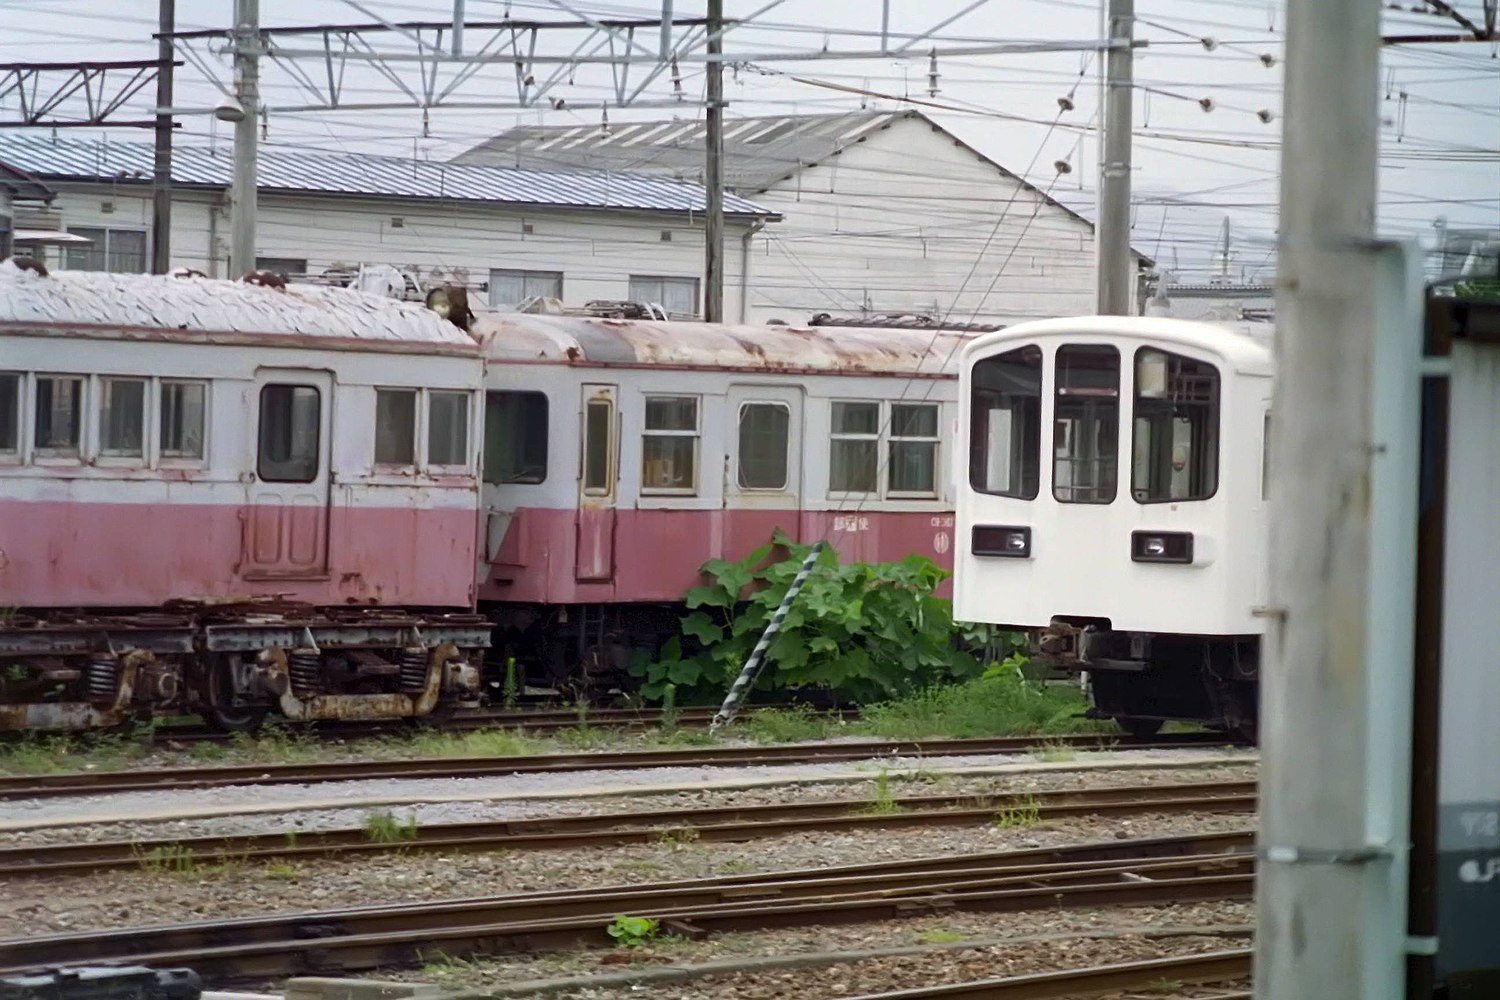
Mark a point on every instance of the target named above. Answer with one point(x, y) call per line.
point(222, 712)
point(1142, 729)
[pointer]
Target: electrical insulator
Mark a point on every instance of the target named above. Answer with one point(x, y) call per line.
point(932, 74)
point(1065, 102)
point(1063, 166)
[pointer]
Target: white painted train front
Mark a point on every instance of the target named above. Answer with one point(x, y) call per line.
point(1114, 507)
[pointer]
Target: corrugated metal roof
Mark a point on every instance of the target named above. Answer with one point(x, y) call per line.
point(516, 337)
point(364, 174)
point(22, 185)
point(757, 151)
point(207, 305)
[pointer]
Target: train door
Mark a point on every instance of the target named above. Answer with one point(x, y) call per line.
point(286, 530)
point(765, 447)
point(598, 477)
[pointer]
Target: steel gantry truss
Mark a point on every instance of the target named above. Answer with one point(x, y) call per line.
point(40, 89)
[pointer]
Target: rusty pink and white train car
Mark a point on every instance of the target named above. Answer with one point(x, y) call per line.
point(622, 455)
point(184, 444)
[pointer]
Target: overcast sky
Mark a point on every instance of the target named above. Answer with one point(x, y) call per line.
point(1193, 168)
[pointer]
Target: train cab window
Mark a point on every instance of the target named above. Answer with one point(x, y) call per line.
point(448, 429)
point(598, 418)
point(515, 437)
point(1005, 443)
point(10, 413)
point(290, 427)
point(669, 448)
point(764, 429)
point(59, 415)
point(912, 469)
point(1176, 450)
point(184, 408)
point(1086, 415)
point(854, 452)
point(395, 426)
point(122, 417)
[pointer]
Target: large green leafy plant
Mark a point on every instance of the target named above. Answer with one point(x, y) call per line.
point(863, 631)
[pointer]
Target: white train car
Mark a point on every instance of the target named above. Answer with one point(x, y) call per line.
point(1114, 507)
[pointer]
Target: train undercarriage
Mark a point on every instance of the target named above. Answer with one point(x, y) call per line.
point(1144, 680)
point(236, 665)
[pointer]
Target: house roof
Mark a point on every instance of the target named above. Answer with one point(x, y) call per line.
point(367, 175)
point(758, 152)
point(22, 185)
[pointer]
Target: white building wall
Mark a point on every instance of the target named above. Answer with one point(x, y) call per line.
point(896, 223)
point(596, 251)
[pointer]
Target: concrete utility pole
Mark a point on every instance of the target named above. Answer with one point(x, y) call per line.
point(713, 173)
point(1113, 231)
point(1337, 655)
point(247, 93)
point(161, 181)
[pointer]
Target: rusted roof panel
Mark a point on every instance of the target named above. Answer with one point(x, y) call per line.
point(140, 301)
point(516, 337)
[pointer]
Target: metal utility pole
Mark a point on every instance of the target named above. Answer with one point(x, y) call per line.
point(1113, 232)
point(713, 173)
point(247, 93)
point(1336, 660)
point(161, 181)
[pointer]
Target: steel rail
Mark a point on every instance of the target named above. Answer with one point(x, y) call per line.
point(1153, 872)
point(1204, 968)
point(183, 778)
point(737, 823)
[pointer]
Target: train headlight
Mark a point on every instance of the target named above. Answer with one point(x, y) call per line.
point(1012, 541)
point(1161, 546)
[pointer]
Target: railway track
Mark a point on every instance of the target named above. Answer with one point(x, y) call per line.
point(183, 778)
point(1214, 967)
point(726, 824)
point(1125, 873)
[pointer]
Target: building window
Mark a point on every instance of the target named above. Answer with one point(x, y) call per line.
point(284, 266)
point(764, 430)
point(1086, 413)
point(448, 429)
point(510, 287)
point(59, 409)
point(122, 251)
point(515, 437)
point(183, 413)
point(598, 416)
point(290, 427)
point(10, 413)
point(1176, 447)
point(912, 467)
point(669, 449)
point(395, 427)
point(675, 295)
point(122, 417)
point(1005, 414)
point(855, 448)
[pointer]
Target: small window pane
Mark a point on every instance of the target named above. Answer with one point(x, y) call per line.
point(597, 418)
point(1087, 412)
point(10, 413)
point(515, 437)
point(510, 287)
point(1176, 450)
point(918, 420)
point(59, 406)
point(668, 463)
point(913, 467)
point(395, 426)
point(182, 419)
point(448, 429)
point(764, 428)
point(852, 466)
point(1005, 424)
point(675, 295)
point(856, 418)
point(290, 423)
point(672, 413)
point(122, 417)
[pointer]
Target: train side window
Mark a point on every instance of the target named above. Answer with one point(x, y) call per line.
point(1176, 448)
point(854, 451)
point(913, 449)
point(598, 415)
point(122, 417)
point(395, 426)
point(1005, 443)
point(764, 428)
point(184, 409)
point(290, 428)
point(1085, 465)
point(515, 437)
point(59, 416)
point(10, 413)
point(669, 448)
point(448, 429)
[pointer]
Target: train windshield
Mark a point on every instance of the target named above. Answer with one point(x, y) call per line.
point(1086, 418)
point(1005, 424)
point(1176, 448)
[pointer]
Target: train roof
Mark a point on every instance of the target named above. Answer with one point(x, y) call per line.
point(139, 306)
point(1245, 346)
point(519, 338)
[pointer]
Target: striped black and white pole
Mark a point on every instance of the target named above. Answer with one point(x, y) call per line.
point(746, 680)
